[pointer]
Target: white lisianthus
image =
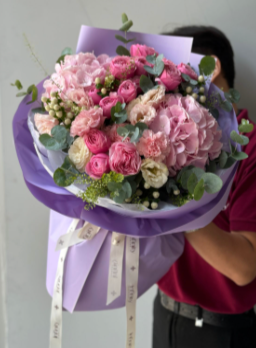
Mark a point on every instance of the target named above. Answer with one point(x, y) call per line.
point(154, 96)
point(132, 104)
point(79, 154)
point(155, 174)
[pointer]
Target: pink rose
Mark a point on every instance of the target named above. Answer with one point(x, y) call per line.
point(93, 93)
point(45, 123)
point(86, 120)
point(97, 141)
point(111, 132)
point(124, 158)
point(171, 76)
point(108, 102)
point(80, 97)
point(142, 113)
point(154, 146)
point(97, 166)
point(136, 81)
point(186, 69)
point(142, 51)
point(140, 62)
point(122, 67)
point(127, 90)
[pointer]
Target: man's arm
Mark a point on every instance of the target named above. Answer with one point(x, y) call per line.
point(232, 254)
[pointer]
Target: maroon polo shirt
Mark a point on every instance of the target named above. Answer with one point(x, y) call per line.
point(191, 279)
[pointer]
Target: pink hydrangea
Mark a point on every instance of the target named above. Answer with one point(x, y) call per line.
point(87, 120)
point(80, 97)
point(192, 132)
point(153, 145)
point(124, 158)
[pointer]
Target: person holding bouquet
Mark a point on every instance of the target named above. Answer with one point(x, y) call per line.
point(206, 299)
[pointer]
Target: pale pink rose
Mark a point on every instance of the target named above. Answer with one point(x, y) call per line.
point(93, 93)
point(142, 113)
point(186, 69)
point(87, 120)
point(108, 102)
point(97, 166)
point(45, 123)
point(97, 141)
point(153, 145)
point(122, 67)
point(171, 76)
point(124, 158)
point(140, 62)
point(111, 132)
point(127, 90)
point(154, 97)
point(142, 51)
point(80, 97)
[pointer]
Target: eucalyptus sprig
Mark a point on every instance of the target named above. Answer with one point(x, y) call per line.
point(30, 90)
point(133, 132)
point(127, 24)
point(157, 62)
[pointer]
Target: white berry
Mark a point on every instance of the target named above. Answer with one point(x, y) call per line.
point(69, 115)
point(156, 194)
point(103, 91)
point(54, 101)
point(67, 121)
point(154, 205)
point(59, 114)
point(139, 193)
point(201, 90)
point(128, 200)
point(189, 90)
point(203, 99)
point(97, 81)
point(56, 107)
point(52, 113)
point(176, 192)
point(195, 96)
point(201, 78)
point(44, 99)
point(47, 108)
point(53, 94)
point(146, 186)
point(146, 204)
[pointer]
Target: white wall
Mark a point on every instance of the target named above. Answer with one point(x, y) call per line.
point(51, 26)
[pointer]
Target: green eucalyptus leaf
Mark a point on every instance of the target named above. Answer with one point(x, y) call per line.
point(149, 69)
point(232, 95)
point(183, 170)
point(226, 105)
point(145, 83)
point(122, 131)
point(185, 77)
point(151, 59)
point(135, 135)
point(120, 197)
point(215, 113)
point(141, 126)
point(60, 178)
point(212, 182)
point(193, 82)
point(171, 186)
point(60, 59)
point(122, 51)
point(192, 182)
point(66, 51)
point(21, 94)
point(114, 186)
point(49, 142)
point(130, 127)
point(229, 163)
point(239, 156)
point(121, 119)
point(126, 26)
point(158, 68)
point(199, 172)
point(17, 84)
point(211, 167)
point(184, 178)
point(159, 58)
point(238, 138)
point(124, 18)
point(123, 39)
point(207, 65)
point(66, 174)
point(126, 187)
point(199, 190)
point(245, 128)
point(59, 133)
point(223, 159)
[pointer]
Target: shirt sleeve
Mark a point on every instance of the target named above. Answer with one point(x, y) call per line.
point(242, 214)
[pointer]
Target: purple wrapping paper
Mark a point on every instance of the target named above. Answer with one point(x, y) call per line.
point(87, 263)
point(86, 267)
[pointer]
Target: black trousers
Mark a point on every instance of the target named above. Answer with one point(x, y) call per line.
point(174, 331)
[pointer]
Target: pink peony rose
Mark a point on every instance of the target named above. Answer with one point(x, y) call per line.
point(142, 113)
point(111, 132)
point(87, 120)
point(136, 81)
point(108, 102)
point(140, 62)
point(80, 97)
point(97, 141)
point(154, 146)
point(127, 90)
point(142, 51)
point(122, 67)
point(45, 123)
point(124, 158)
point(93, 93)
point(97, 166)
point(186, 69)
point(171, 76)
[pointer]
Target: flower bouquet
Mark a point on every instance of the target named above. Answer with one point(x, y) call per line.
point(139, 147)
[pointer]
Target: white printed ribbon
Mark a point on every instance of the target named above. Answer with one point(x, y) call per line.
point(115, 267)
point(132, 275)
point(87, 232)
point(56, 311)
